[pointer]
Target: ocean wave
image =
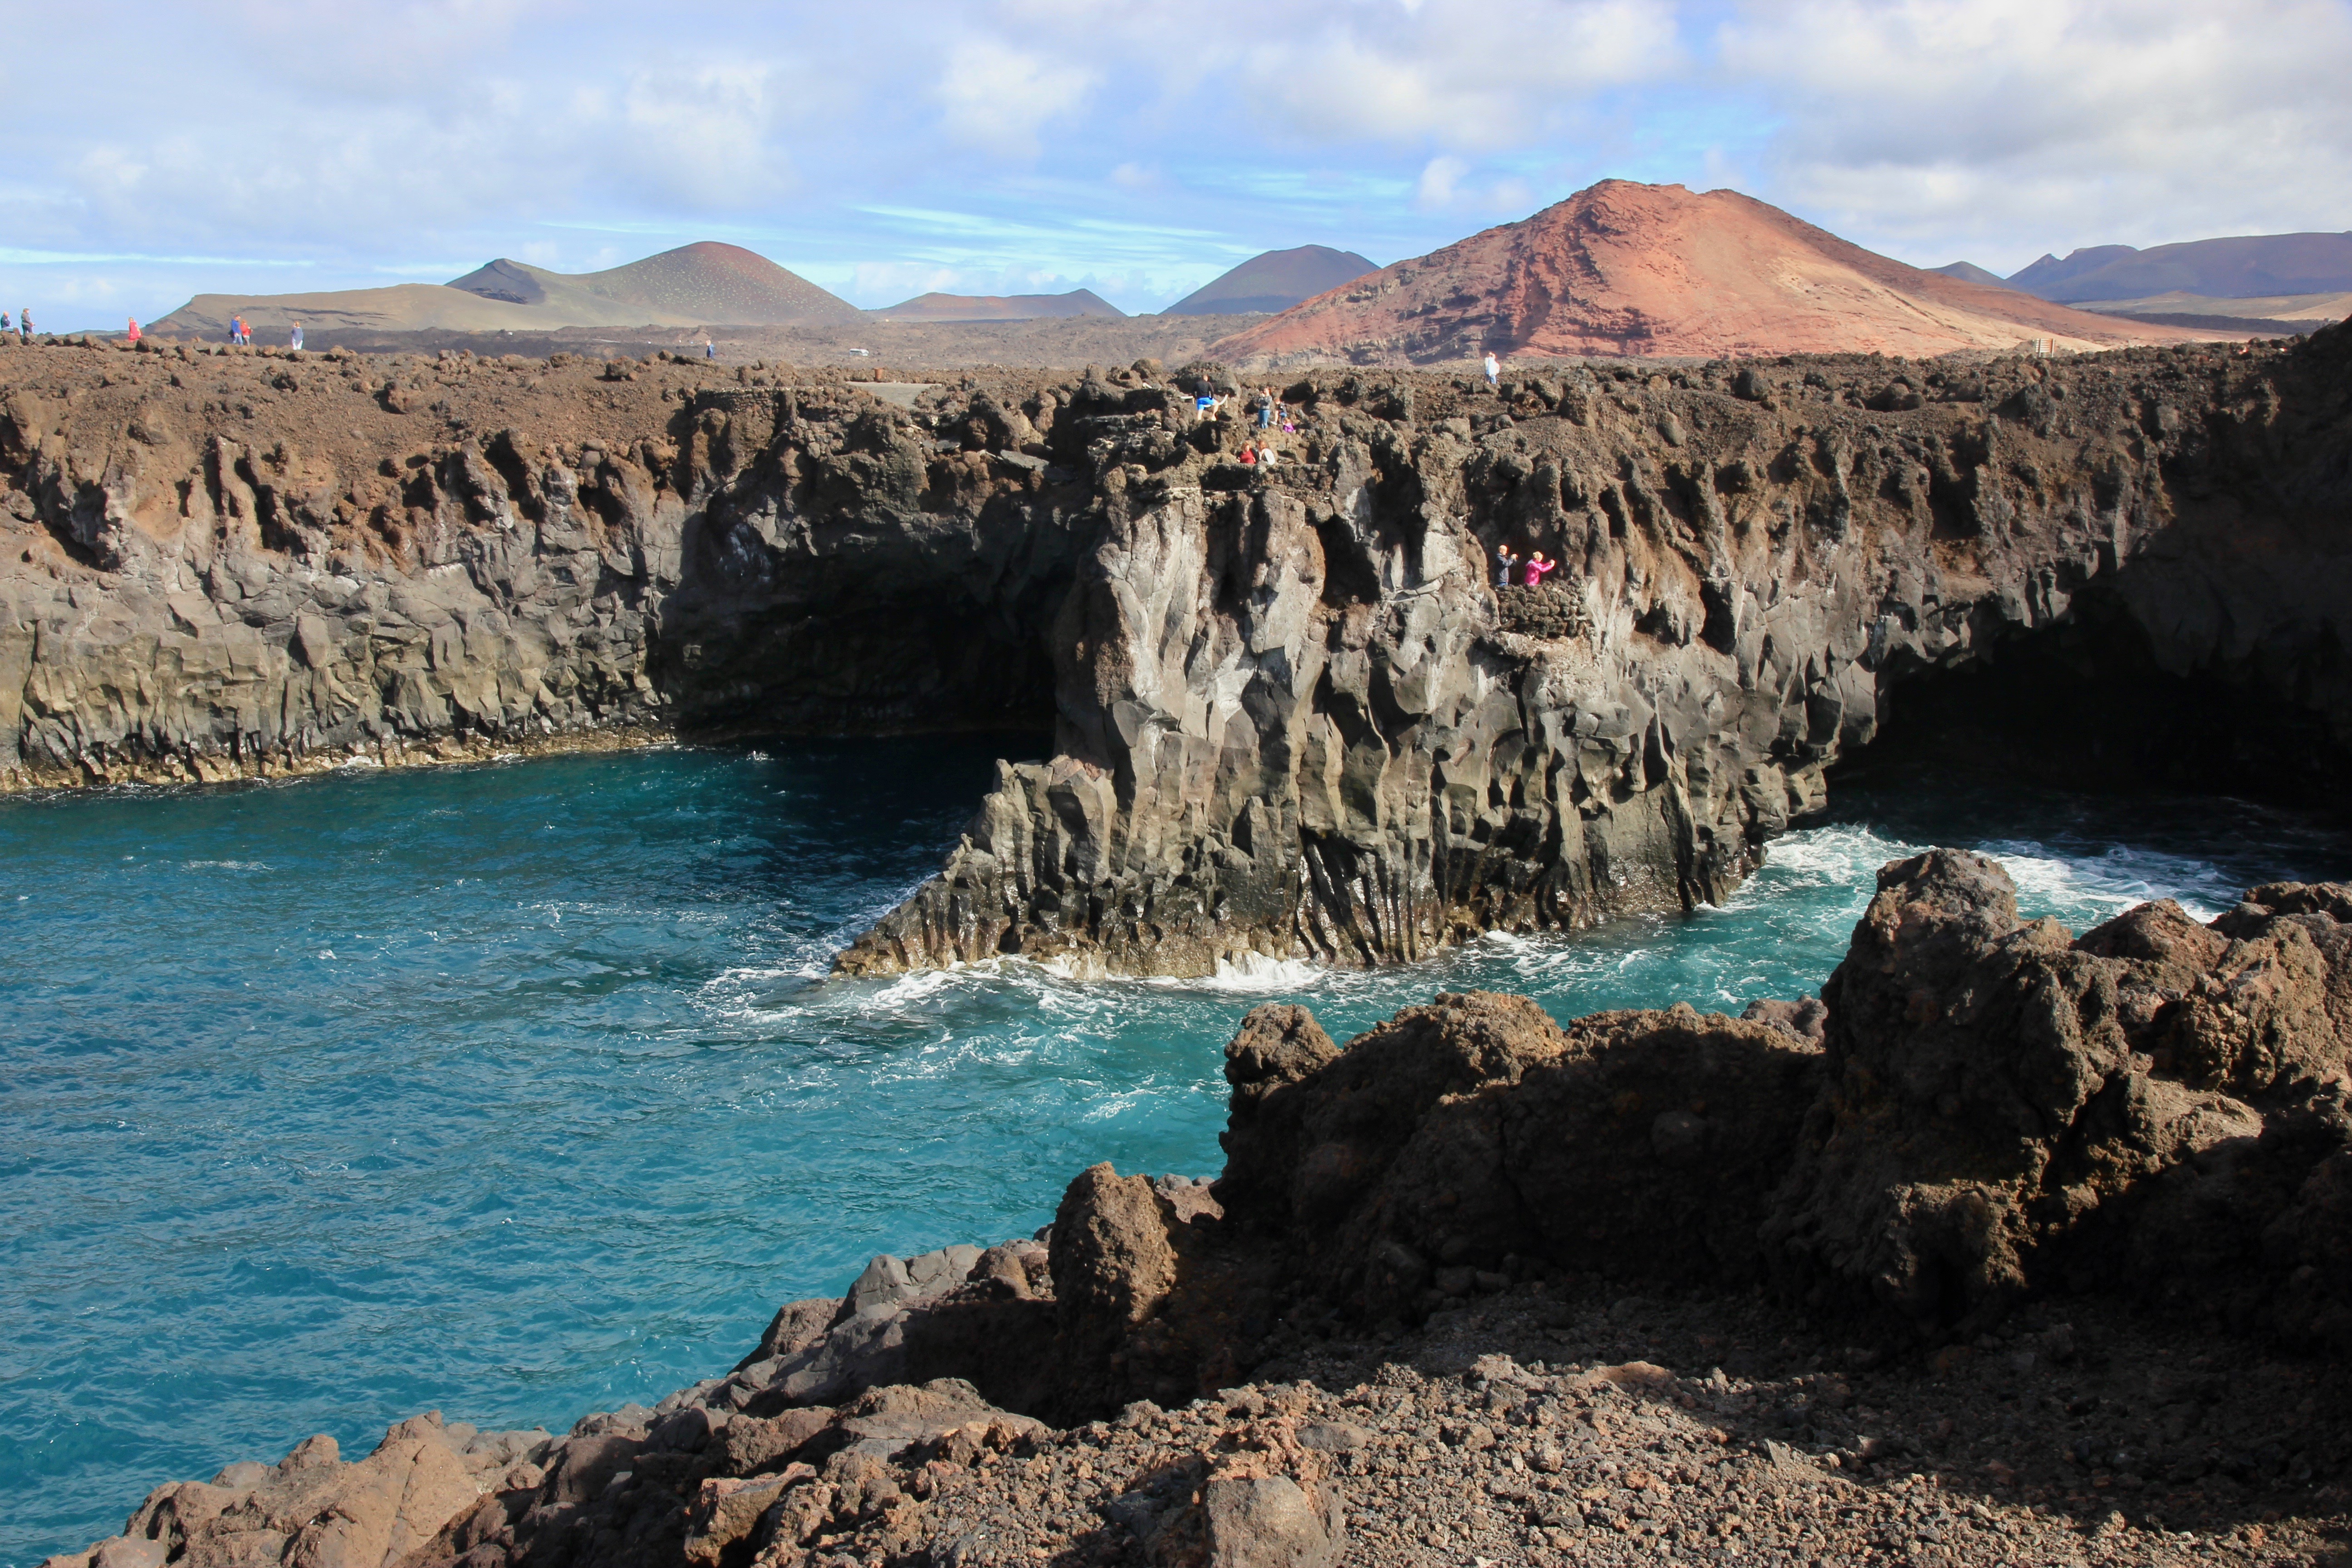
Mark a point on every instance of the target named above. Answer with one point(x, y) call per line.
point(2113, 880)
point(1257, 971)
point(1824, 856)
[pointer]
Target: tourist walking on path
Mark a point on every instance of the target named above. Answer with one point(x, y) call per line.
point(295, 341)
point(1504, 562)
point(25, 325)
point(710, 349)
point(1494, 370)
point(134, 334)
point(1537, 567)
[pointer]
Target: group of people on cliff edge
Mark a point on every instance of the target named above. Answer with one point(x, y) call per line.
point(1510, 572)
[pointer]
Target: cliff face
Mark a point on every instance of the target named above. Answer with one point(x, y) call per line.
point(1293, 716)
point(1296, 719)
point(222, 567)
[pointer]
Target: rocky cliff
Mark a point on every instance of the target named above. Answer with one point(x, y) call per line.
point(1292, 715)
point(1295, 719)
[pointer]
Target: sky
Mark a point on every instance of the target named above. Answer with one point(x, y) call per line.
point(153, 149)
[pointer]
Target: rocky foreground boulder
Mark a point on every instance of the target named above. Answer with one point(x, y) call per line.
point(1980, 1116)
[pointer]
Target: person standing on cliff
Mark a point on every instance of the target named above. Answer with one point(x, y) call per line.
point(25, 325)
point(1504, 562)
point(295, 342)
point(1494, 371)
point(134, 334)
point(1538, 566)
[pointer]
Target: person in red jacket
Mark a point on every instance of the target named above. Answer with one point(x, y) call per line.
point(1538, 566)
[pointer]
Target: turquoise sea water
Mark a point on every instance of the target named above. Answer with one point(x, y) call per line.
point(518, 1091)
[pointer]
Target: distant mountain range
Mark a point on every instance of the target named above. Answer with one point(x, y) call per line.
point(1000, 307)
point(1268, 282)
point(2253, 283)
point(1626, 268)
point(710, 284)
point(1273, 280)
point(2248, 267)
point(695, 285)
point(1619, 268)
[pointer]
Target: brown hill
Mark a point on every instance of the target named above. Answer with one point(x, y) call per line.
point(706, 284)
point(1000, 307)
point(1969, 272)
point(1273, 280)
point(1626, 268)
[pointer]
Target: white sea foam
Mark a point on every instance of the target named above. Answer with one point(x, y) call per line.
point(2114, 879)
point(1822, 857)
point(1256, 971)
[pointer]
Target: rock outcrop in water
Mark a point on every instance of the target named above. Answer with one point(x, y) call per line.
point(1993, 1109)
point(1981, 1115)
point(1292, 717)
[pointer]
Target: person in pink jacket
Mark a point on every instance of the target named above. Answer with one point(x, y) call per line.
point(1538, 566)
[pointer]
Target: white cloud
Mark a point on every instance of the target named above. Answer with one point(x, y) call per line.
point(997, 99)
point(2018, 125)
point(702, 135)
point(1466, 74)
point(1446, 185)
point(1435, 188)
point(1137, 148)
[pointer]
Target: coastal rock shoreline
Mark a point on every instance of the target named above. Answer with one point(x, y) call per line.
point(1291, 716)
point(2013, 1240)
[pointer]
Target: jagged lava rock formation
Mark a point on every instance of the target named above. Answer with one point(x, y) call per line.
point(1292, 715)
point(1295, 719)
point(1623, 267)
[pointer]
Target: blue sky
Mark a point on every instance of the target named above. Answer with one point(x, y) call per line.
point(155, 151)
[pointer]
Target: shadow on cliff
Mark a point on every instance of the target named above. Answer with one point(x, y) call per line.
point(830, 582)
point(2086, 705)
